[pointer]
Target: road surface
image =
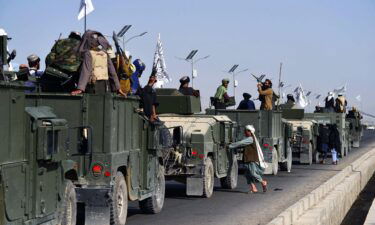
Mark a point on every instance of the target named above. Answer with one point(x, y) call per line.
point(235, 207)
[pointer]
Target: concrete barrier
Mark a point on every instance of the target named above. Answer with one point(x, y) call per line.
point(329, 203)
point(370, 218)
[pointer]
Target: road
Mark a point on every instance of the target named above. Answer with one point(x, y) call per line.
point(234, 207)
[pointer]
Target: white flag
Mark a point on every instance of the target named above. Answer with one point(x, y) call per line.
point(340, 90)
point(302, 100)
point(358, 98)
point(159, 64)
point(89, 8)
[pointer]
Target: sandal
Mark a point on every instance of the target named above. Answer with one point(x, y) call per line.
point(264, 186)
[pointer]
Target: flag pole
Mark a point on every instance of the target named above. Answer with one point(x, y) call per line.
point(85, 16)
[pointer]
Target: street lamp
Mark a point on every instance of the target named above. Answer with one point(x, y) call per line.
point(232, 71)
point(122, 32)
point(190, 58)
point(135, 36)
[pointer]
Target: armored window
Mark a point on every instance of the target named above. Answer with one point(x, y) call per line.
point(52, 142)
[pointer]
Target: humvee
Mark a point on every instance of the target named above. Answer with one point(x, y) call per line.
point(35, 169)
point(270, 131)
point(117, 151)
point(199, 151)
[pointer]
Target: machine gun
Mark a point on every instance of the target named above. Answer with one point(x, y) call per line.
point(259, 79)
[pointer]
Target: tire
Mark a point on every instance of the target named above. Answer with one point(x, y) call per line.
point(287, 165)
point(68, 209)
point(208, 179)
point(119, 203)
point(275, 162)
point(230, 181)
point(154, 204)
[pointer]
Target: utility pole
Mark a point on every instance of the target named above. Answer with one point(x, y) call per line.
point(278, 100)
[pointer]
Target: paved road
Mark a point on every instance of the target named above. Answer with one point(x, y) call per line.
point(234, 207)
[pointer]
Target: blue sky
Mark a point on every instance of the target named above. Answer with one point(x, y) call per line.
point(322, 44)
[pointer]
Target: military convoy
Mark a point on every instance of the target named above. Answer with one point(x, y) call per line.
point(99, 151)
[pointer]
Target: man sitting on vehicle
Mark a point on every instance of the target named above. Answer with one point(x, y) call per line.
point(289, 103)
point(185, 89)
point(246, 103)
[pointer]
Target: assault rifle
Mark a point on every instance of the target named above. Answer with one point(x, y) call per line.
point(123, 65)
point(259, 79)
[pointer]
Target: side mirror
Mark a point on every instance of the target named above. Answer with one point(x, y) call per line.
point(177, 135)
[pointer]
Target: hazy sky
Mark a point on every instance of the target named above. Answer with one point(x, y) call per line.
point(322, 44)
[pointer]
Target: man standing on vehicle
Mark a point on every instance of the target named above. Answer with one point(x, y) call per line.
point(341, 104)
point(252, 158)
point(98, 75)
point(140, 67)
point(330, 102)
point(148, 98)
point(265, 95)
point(221, 95)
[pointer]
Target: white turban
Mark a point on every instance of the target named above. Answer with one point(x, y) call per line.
point(250, 128)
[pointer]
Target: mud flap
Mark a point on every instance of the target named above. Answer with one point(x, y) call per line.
point(97, 208)
point(95, 215)
point(194, 186)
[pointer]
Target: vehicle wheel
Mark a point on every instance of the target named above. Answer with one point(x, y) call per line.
point(287, 165)
point(275, 162)
point(230, 181)
point(154, 204)
point(208, 179)
point(68, 208)
point(119, 203)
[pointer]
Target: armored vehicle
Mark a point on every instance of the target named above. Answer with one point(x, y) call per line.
point(342, 126)
point(117, 151)
point(35, 172)
point(270, 131)
point(304, 135)
point(199, 152)
point(355, 127)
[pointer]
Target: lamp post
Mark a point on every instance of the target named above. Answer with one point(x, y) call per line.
point(234, 74)
point(190, 58)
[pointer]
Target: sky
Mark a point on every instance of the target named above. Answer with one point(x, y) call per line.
point(322, 44)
